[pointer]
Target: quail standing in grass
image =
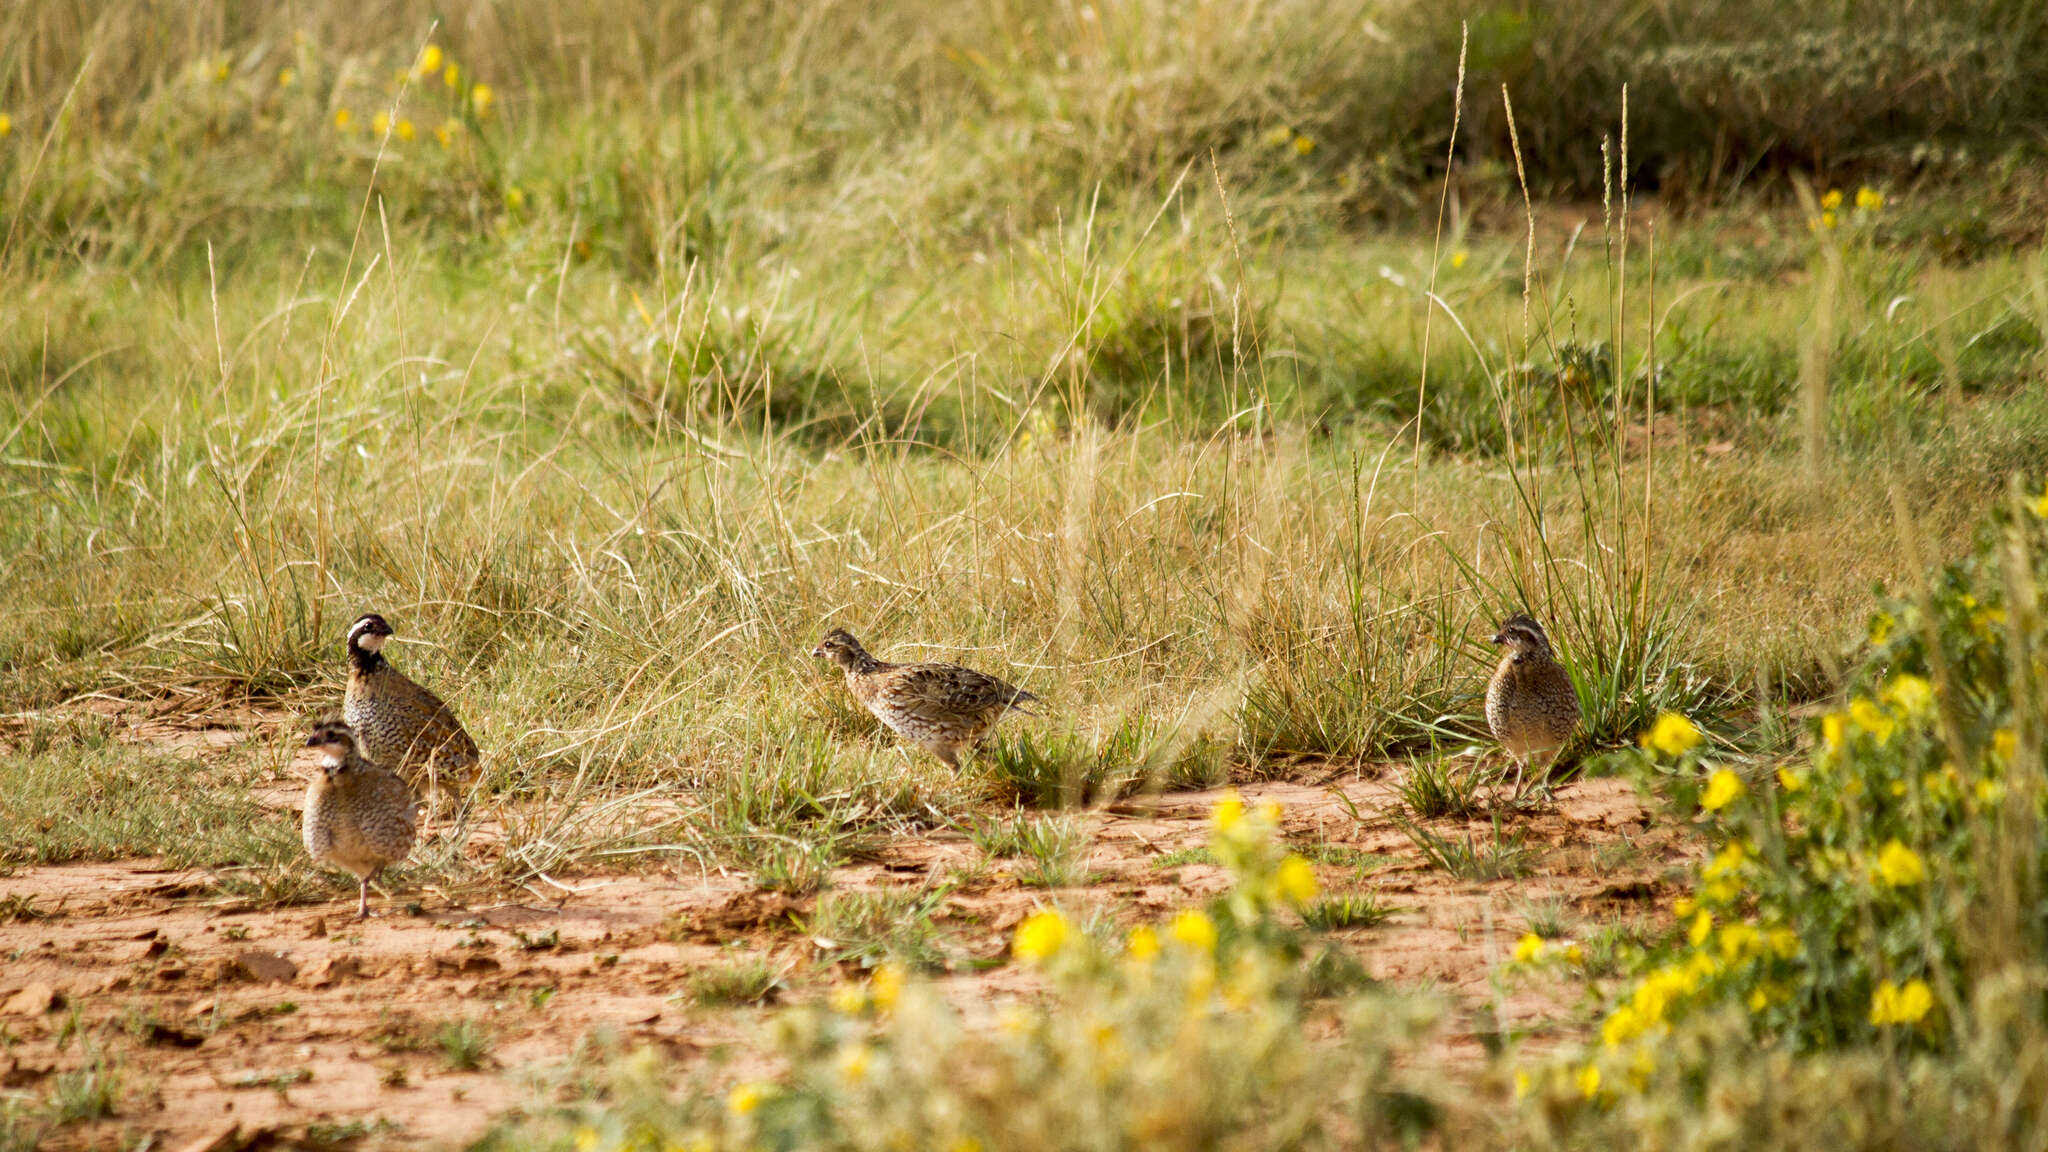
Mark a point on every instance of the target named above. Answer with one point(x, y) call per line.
point(359, 816)
point(1530, 702)
point(403, 726)
point(938, 707)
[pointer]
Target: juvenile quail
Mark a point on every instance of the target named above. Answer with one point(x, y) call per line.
point(1530, 702)
point(403, 726)
point(938, 707)
point(359, 817)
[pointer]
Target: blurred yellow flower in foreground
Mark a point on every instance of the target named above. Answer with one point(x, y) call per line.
point(1832, 200)
point(1303, 145)
point(1528, 948)
point(286, 77)
point(7, 129)
point(1458, 259)
point(1144, 942)
point(380, 123)
point(1892, 1004)
point(744, 1098)
point(1041, 936)
point(1297, 881)
point(1869, 199)
point(430, 60)
point(405, 130)
point(342, 119)
point(452, 75)
point(1899, 866)
point(1194, 929)
point(1723, 788)
point(1672, 735)
point(1589, 1081)
point(481, 98)
point(1229, 812)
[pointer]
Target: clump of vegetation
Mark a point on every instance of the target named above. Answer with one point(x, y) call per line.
point(1878, 900)
point(1216, 996)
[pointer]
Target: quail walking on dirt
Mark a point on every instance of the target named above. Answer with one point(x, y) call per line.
point(359, 816)
point(403, 726)
point(1530, 702)
point(938, 707)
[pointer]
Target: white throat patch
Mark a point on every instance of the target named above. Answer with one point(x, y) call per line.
point(331, 759)
point(370, 642)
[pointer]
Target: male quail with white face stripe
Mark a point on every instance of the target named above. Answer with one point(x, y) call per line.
point(403, 726)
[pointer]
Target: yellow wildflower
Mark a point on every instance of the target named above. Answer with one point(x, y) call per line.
point(447, 132)
point(2041, 504)
point(1144, 942)
point(1881, 627)
point(286, 77)
point(6, 125)
point(1041, 936)
point(1621, 1026)
point(515, 198)
point(380, 124)
point(964, 1144)
point(1671, 735)
point(1229, 811)
point(1723, 788)
point(586, 1139)
point(886, 986)
point(480, 98)
point(1832, 200)
point(1913, 694)
point(1702, 927)
point(1528, 948)
point(849, 999)
point(1872, 719)
point(1458, 258)
point(1684, 906)
point(1892, 1004)
point(1195, 929)
point(430, 60)
point(1303, 145)
point(1589, 1081)
point(1989, 791)
point(452, 75)
point(2004, 743)
point(1296, 881)
point(1833, 731)
point(1830, 220)
point(342, 119)
point(405, 130)
point(1727, 860)
point(1269, 812)
point(744, 1098)
point(1521, 1084)
point(220, 72)
point(1898, 865)
point(1758, 1000)
point(1790, 781)
point(1869, 199)
point(1276, 136)
point(1739, 940)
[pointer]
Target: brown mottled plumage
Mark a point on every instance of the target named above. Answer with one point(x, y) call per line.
point(1530, 702)
point(938, 707)
point(401, 725)
point(359, 817)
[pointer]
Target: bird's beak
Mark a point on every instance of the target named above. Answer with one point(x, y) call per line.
point(819, 652)
point(1500, 638)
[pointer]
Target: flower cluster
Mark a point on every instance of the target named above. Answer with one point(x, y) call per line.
point(1867, 203)
point(461, 100)
point(1824, 914)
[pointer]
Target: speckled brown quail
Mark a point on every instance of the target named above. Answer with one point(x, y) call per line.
point(401, 725)
point(359, 816)
point(1530, 702)
point(938, 707)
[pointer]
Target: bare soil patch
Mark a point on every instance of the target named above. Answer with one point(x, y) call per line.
point(236, 1026)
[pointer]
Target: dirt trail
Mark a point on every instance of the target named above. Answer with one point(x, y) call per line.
point(237, 1027)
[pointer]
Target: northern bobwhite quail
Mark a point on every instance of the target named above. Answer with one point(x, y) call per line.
point(1530, 702)
point(401, 725)
point(359, 816)
point(938, 707)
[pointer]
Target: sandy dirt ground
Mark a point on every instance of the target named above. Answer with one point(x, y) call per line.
point(234, 1026)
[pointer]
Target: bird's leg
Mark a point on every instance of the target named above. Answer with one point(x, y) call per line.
point(362, 898)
